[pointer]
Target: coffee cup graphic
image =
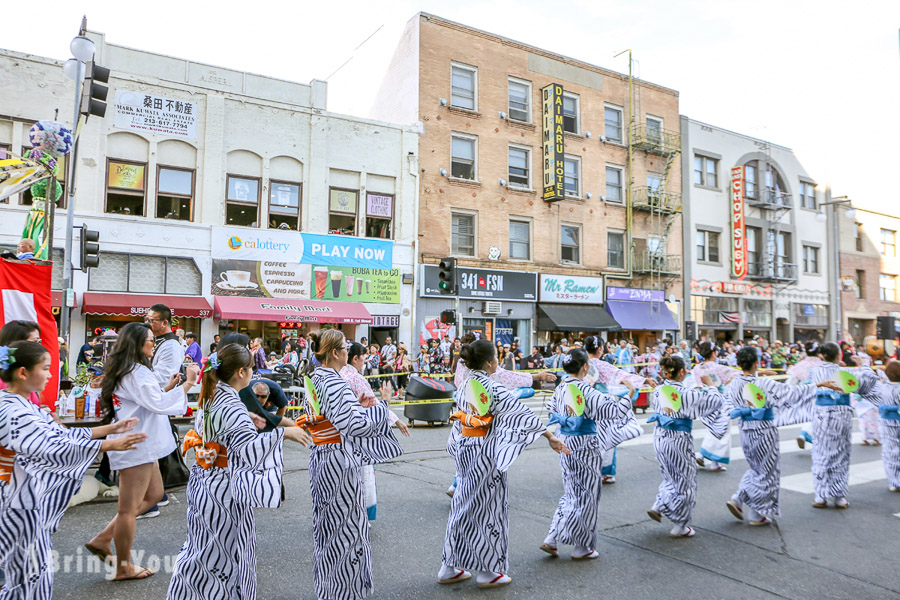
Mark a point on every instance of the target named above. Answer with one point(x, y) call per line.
point(336, 280)
point(359, 286)
point(349, 284)
point(368, 286)
point(236, 278)
point(321, 274)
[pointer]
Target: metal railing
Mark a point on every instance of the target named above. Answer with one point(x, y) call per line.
point(769, 198)
point(772, 271)
point(650, 198)
point(654, 139)
point(655, 262)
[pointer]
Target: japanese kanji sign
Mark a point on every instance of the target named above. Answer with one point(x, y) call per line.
point(165, 116)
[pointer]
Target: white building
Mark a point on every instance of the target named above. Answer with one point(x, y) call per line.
point(191, 159)
point(784, 291)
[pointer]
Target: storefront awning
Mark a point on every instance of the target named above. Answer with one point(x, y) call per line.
point(572, 317)
point(136, 305)
point(292, 311)
point(642, 316)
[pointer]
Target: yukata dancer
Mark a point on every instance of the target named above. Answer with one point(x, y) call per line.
point(799, 373)
point(717, 451)
point(237, 469)
point(346, 434)
point(753, 401)
point(580, 410)
point(886, 396)
point(606, 375)
point(493, 428)
point(352, 375)
point(833, 426)
point(42, 466)
point(514, 381)
point(674, 409)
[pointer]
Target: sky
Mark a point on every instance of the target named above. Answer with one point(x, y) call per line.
point(820, 77)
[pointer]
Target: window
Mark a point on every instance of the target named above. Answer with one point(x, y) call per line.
point(463, 81)
point(342, 210)
point(125, 187)
point(284, 205)
point(614, 184)
point(706, 171)
point(750, 180)
point(570, 250)
point(615, 249)
point(811, 260)
point(807, 195)
point(753, 238)
point(462, 234)
point(519, 161)
point(654, 129)
point(570, 113)
point(520, 100)
point(520, 240)
point(175, 194)
point(888, 243)
point(706, 310)
point(782, 247)
point(462, 157)
point(707, 246)
point(572, 176)
point(613, 124)
point(860, 284)
point(859, 237)
point(379, 215)
point(775, 189)
point(888, 286)
point(242, 201)
point(757, 313)
point(145, 273)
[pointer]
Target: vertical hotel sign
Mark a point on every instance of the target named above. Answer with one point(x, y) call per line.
point(739, 266)
point(554, 139)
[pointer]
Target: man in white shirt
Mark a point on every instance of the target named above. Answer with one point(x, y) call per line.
point(168, 353)
point(389, 350)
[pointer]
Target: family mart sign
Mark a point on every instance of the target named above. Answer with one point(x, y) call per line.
point(247, 243)
point(571, 289)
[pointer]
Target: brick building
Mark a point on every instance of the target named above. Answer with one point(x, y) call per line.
point(477, 98)
point(869, 270)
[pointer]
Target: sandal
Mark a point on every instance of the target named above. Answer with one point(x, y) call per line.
point(103, 555)
point(686, 534)
point(590, 556)
point(142, 573)
point(735, 509)
point(551, 550)
point(461, 575)
point(763, 521)
point(654, 514)
point(497, 581)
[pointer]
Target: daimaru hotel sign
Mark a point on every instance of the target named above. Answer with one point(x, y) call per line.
point(554, 143)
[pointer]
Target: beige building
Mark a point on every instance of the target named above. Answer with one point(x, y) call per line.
point(869, 270)
point(477, 98)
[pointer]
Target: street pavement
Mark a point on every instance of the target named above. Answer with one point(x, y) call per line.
point(814, 554)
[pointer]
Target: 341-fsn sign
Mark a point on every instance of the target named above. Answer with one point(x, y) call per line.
point(492, 283)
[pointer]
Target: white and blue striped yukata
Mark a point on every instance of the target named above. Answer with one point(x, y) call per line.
point(218, 559)
point(832, 426)
point(673, 444)
point(886, 396)
point(759, 487)
point(477, 536)
point(575, 519)
point(49, 467)
point(342, 557)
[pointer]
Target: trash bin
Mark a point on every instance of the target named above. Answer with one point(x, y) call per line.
point(430, 392)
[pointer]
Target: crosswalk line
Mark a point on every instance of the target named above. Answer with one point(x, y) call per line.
point(860, 473)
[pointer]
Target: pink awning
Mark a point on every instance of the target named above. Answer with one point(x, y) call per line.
point(291, 311)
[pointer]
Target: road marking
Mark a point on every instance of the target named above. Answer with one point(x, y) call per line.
point(860, 473)
point(897, 515)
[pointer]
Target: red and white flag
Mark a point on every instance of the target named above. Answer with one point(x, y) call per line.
point(25, 295)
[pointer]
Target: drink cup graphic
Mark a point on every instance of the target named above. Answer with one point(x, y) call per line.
point(336, 280)
point(359, 286)
point(349, 284)
point(368, 285)
point(321, 281)
point(236, 278)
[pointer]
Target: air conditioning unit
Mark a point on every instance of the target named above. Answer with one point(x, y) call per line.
point(492, 308)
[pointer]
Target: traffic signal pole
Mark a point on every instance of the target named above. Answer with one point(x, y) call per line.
point(64, 322)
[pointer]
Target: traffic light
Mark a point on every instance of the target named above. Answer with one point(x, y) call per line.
point(90, 249)
point(690, 330)
point(93, 96)
point(884, 328)
point(447, 276)
point(448, 317)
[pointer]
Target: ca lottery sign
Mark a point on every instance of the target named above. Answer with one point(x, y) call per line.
point(245, 243)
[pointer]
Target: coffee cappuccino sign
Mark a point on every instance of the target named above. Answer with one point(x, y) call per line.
point(571, 289)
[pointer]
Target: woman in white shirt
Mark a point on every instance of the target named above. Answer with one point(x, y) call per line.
point(130, 389)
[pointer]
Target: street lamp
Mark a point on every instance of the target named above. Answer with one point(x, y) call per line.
point(821, 217)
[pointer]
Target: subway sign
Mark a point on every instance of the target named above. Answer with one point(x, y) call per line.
point(554, 143)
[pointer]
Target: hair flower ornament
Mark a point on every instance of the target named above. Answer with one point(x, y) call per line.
point(7, 357)
point(212, 363)
point(567, 358)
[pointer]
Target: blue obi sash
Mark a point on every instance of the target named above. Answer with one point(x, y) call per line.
point(754, 414)
point(573, 426)
point(890, 412)
point(672, 424)
point(829, 398)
